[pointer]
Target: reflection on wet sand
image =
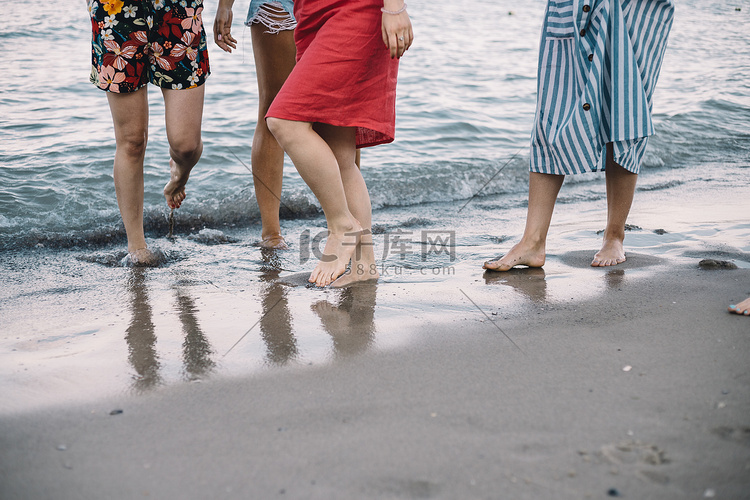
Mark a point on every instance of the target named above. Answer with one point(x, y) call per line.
point(196, 350)
point(350, 323)
point(529, 281)
point(141, 336)
point(276, 322)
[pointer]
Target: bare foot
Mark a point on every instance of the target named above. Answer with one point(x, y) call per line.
point(174, 191)
point(363, 268)
point(274, 242)
point(611, 254)
point(522, 254)
point(352, 277)
point(143, 257)
point(337, 253)
point(741, 308)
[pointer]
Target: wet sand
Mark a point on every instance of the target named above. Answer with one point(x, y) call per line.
point(642, 389)
point(227, 381)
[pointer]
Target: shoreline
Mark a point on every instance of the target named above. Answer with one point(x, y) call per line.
point(76, 328)
point(566, 381)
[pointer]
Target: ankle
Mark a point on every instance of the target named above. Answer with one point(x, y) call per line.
point(533, 243)
point(271, 234)
point(344, 226)
point(614, 234)
point(137, 246)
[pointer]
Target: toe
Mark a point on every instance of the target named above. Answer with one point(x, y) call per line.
point(496, 265)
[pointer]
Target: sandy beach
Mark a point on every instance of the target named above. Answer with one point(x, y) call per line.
point(641, 392)
point(562, 382)
point(220, 374)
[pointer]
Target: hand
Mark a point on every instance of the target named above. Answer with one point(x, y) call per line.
point(396, 30)
point(223, 27)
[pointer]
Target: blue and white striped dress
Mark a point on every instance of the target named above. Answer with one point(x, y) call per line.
point(598, 65)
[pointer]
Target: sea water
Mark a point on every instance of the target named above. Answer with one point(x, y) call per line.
point(466, 100)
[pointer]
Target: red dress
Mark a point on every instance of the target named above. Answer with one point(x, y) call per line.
point(344, 74)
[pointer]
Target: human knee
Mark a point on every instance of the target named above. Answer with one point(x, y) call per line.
point(186, 151)
point(282, 130)
point(133, 145)
point(276, 126)
point(348, 165)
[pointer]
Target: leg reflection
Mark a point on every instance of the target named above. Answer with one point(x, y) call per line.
point(196, 350)
point(530, 282)
point(615, 278)
point(276, 322)
point(351, 322)
point(140, 335)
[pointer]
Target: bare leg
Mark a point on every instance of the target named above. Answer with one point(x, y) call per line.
point(318, 167)
point(531, 250)
point(274, 60)
point(741, 308)
point(342, 143)
point(130, 119)
point(183, 110)
point(620, 191)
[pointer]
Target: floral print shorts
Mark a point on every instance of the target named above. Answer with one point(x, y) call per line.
point(139, 41)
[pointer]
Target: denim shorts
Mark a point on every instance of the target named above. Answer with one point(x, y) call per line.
point(275, 15)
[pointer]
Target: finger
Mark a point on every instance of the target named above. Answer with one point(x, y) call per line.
point(393, 45)
point(384, 35)
point(222, 44)
point(228, 40)
point(401, 45)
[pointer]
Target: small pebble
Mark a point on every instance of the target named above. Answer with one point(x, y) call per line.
point(613, 492)
point(627, 368)
point(115, 412)
point(62, 447)
point(709, 493)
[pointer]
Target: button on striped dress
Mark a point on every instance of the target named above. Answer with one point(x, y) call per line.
point(598, 65)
